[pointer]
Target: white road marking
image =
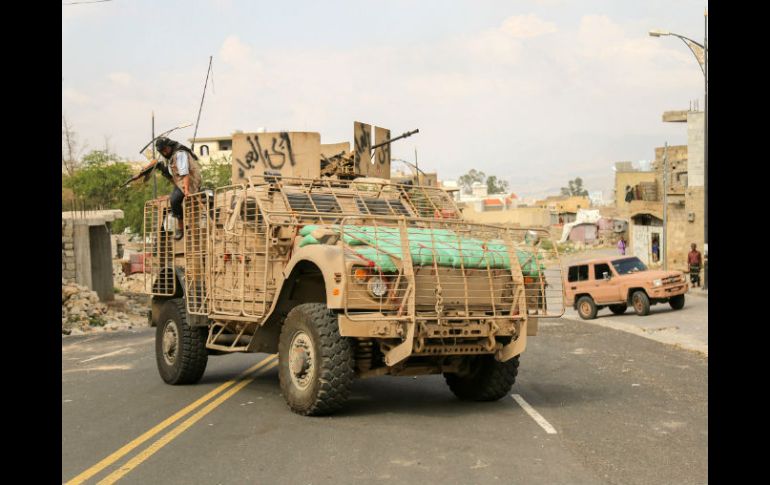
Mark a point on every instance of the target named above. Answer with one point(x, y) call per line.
point(99, 367)
point(539, 419)
point(109, 354)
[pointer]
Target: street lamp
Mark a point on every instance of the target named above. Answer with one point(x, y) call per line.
point(700, 51)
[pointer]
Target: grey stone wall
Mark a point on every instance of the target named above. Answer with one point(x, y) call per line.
point(67, 250)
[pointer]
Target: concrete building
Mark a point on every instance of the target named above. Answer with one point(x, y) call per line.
point(596, 197)
point(564, 208)
point(685, 198)
point(212, 148)
point(626, 175)
point(515, 216)
point(427, 179)
point(87, 250)
point(563, 203)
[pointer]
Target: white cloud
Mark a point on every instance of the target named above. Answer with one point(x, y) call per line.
point(531, 108)
point(235, 52)
point(120, 78)
point(70, 95)
point(527, 26)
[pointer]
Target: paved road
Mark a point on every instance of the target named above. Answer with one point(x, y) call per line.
point(625, 409)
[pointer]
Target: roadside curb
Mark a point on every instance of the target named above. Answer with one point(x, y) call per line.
point(679, 342)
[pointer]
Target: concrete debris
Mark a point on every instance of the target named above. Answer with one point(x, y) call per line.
point(132, 283)
point(82, 312)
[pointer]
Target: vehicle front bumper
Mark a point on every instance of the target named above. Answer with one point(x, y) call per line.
point(669, 290)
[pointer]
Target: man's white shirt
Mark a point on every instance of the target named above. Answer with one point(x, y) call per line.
point(182, 163)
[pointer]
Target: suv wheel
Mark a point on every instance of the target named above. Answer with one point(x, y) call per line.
point(180, 350)
point(586, 308)
point(316, 366)
point(676, 302)
point(619, 309)
point(641, 303)
point(487, 379)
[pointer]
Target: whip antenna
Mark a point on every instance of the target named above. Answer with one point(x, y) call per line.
point(195, 134)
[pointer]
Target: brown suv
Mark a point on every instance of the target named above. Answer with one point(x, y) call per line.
point(592, 285)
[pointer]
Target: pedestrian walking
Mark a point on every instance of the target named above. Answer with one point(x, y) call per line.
point(622, 246)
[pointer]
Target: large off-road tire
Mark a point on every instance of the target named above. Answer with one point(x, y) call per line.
point(315, 363)
point(488, 379)
point(586, 308)
point(641, 303)
point(619, 309)
point(676, 302)
point(180, 350)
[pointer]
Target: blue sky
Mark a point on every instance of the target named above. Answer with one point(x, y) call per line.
point(536, 92)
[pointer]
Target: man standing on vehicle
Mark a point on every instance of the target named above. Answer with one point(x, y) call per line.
point(182, 169)
point(694, 260)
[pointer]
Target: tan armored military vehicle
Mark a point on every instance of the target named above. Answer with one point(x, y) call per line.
point(312, 253)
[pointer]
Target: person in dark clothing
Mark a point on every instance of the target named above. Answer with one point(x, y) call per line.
point(629, 193)
point(695, 261)
point(182, 169)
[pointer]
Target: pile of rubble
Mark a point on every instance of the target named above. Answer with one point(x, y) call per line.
point(80, 308)
point(81, 311)
point(127, 283)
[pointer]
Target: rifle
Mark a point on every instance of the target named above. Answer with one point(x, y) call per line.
point(144, 173)
point(147, 171)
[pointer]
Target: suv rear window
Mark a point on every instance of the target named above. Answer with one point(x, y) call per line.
point(578, 273)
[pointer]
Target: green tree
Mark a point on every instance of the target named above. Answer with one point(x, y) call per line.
point(97, 183)
point(466, 181)
point(98, 179)
point(575, 187)
point(132, 200)
point(217, 173)
point(495, 186)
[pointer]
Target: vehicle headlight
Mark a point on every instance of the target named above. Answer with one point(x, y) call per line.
point(377, 286)
point(657, 282)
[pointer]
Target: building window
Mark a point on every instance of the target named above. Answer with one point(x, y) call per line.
point(225, 145)
point(204, 150)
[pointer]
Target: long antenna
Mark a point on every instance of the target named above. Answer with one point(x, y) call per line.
point(195, 134)
point(154, 177)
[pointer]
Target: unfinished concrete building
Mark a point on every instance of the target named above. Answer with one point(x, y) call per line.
point(87, 250)
point(684, 194)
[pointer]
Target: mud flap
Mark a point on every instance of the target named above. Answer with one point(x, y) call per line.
point(402, 350)
point(515, 347)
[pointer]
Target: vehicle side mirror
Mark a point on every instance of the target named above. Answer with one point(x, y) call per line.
point(606, 276)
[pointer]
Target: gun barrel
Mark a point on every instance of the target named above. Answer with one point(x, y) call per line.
point(405, 135)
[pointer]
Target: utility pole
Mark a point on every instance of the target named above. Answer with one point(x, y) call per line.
point(706, 153)
point(664, 243)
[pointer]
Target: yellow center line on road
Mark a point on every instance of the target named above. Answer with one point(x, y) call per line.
point(168, 437)
point(109, 460)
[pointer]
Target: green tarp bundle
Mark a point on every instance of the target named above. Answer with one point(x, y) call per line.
point(378, 244)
